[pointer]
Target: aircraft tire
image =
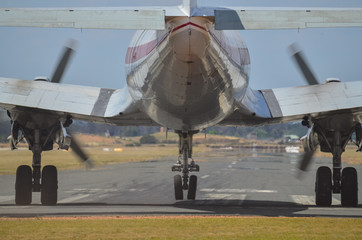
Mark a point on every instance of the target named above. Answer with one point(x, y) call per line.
point(49, 190)
point(349, 187)
point(191, 194)
point(23, 185)
point(323, 187)
point(177, 180)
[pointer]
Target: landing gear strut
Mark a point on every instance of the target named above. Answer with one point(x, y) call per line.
point(33, 180)
point(328, 182)
point(185, 182)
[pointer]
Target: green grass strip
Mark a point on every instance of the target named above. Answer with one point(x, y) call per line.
point(181, 228)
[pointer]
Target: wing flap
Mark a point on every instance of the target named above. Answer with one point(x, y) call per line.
point(286, 18)
point(83, 18)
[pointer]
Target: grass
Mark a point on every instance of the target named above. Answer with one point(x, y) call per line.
point(10, 160)
point(349, 156)
point(181, 228)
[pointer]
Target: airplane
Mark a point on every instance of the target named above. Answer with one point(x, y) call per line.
point(187, 69)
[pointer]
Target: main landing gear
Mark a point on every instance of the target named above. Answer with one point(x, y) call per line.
point(328, 182)
point(185, 182)
point(30, 180)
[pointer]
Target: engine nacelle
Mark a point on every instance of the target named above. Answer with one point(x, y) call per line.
point(310, 141)
point(63, 139)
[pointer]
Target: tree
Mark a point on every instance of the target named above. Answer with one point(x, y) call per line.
point(148, 139)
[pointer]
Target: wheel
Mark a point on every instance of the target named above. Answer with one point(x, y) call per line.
point(49, 186)
point(191, 195)
point(323, 187)
point(349, 187)
point(177, 181)
point(23, 185)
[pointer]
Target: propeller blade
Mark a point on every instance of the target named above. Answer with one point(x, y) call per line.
point(303, 65)
point(80, 153)
point(64, 61)
point(305, 162)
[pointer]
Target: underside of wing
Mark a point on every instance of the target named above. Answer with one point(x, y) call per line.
point(80, 102)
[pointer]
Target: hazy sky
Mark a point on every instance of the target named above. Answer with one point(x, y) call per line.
point(29, 52)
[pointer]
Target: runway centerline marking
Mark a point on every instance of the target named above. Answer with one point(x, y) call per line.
point(205, 176)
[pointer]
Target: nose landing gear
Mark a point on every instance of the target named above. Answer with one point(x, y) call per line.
point(185, 182)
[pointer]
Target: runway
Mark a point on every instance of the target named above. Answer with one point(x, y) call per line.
point(230, 182)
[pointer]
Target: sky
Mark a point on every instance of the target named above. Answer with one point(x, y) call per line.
point(26, 53)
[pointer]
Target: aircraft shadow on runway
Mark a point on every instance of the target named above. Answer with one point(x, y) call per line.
point(192, 208)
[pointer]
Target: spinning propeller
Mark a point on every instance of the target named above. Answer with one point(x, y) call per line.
point(310, 78)
point(57, 78)
point(64, 61)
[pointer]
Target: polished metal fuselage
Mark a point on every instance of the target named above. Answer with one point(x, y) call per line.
point(187, 76)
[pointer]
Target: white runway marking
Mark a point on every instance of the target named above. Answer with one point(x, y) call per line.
point(235, 162)
point(136, 190)
point(231, 190)
point(92, 190)
point(7, 198)
point(310, 200)
point(303, 199)
point(74, 198)
point(220, 196)
point(205, 176)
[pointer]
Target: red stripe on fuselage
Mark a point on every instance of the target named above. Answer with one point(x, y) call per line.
point(186, 24)
point(136, 53)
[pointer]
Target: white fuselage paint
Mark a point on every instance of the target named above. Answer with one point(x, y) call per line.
point(187, 76)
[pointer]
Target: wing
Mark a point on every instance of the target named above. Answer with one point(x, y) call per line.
point(83, 18)
point(294, 103)
point(80, 102)
point(150, 17)
point(284, 18)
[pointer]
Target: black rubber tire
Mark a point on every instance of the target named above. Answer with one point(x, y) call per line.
point(191, 194)
point(23, 185)
point(323, 187)
point(49, 185)
point(177, 181)
point(349, 187)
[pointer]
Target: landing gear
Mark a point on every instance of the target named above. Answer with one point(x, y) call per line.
point(327, 181)
point(23, 185)
point(349, 189)
point(185, 153)
point(323, 187)
point(33, 180)
point(177, 180)
point(191, 194)
point(49, 193)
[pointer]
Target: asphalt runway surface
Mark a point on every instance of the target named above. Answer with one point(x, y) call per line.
point(230, 182)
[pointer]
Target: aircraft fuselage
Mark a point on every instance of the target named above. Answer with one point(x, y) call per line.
point(185, 77)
